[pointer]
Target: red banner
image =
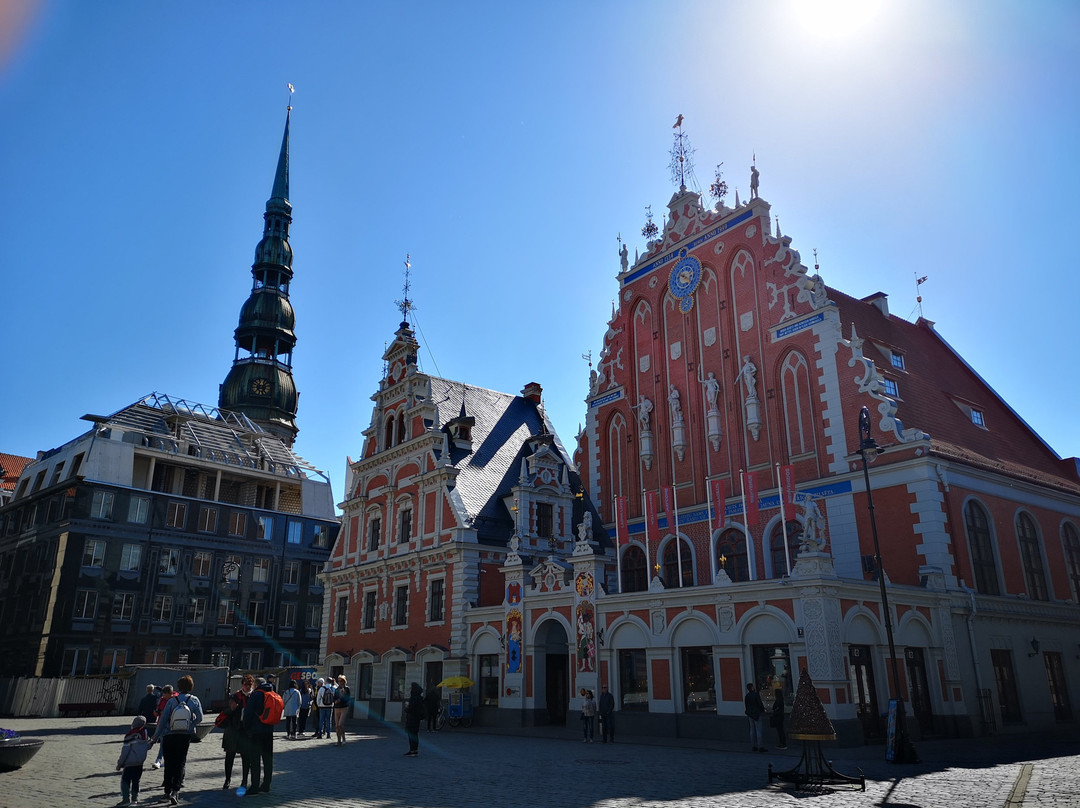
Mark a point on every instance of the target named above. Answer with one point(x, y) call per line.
point(622, 529)
point(652, 520)
point(718, 498)
point(669, 507)
point(750, 492)
point(787, 491)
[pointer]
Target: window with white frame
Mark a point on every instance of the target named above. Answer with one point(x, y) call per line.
point(76, 662)
point(123, 606)
point(251, 660)
point(102, 505)
point(287, 615)
point(131, 558)
point(405, 525)
point(264, 529)
point(977, 417)
point(208, 519)
point(113, 659)
point(226, 612)
point(232, 568)
point(401, 605)
point(374, 530)
point(292, 573)
point(322, 535)
point(162, 611)
point(201, 564)
point(198, 611)
point(341, 614)
point(93, 553)
point(314, 615)
point(86, 601)
point(435, 600)
point(370, 605)
point(260, 570)
point(169, 561)
point(256, 612)
point(238, 523)
point(176, 515)
point(295, 532)
point(138, 510)
point(897, 360)
point(891, 388)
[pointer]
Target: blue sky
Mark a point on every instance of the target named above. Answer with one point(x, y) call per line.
point(505, 146)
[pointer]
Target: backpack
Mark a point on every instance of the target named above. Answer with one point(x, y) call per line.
point(327, 698)
point(272, 709)
point(181, 718)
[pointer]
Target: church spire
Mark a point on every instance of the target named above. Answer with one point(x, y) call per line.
point(260, 383)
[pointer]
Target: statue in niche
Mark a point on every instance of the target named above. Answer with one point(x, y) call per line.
point(643, 408)
point(748, 375)
point(812, 539)
point(624, 258)
point(584, 530)
point(675, 404)
point(712, 390)
point(754, 176)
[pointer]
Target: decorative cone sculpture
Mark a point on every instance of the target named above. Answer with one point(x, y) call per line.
point(811, 725)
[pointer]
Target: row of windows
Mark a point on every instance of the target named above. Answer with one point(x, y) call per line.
point(202, 563)
point(436, 607)
point(985, 563)
point(77, 661)
point(176, 516)
point(404, 531)
point(163, 609)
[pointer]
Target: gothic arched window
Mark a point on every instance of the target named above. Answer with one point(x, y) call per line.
point(389, 435)
point(615, 444)
point(777, 557)
point(1071, 539)
point(1031, 557)
point(981, 545)
point(635, 570)
point(731, 555)
point(671, 564)
point(798, 413)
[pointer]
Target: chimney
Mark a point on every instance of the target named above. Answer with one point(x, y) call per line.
point(879, 299)
point(532, 392)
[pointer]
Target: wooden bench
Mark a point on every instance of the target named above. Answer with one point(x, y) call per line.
point(87, 708)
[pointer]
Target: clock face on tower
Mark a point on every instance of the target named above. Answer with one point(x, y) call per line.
point(260, 387)
point(685, 277)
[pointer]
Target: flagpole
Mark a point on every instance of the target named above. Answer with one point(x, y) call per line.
point(783, 518)
point(618, 542)
point(712, 541)
point(648, 549)
point(746, 525)
point(678, 543)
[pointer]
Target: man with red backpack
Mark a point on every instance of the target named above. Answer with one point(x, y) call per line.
point(262, 711)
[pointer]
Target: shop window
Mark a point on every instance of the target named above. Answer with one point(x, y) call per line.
point(490, 669)
point(363, 681)
point(698, 686)
point(772, 673)
point(396, 683)
point(633, 680)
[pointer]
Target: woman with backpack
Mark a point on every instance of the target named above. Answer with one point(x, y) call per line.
point(175, 729)
point(232, 738)
point(324, 697)
point(291, 708)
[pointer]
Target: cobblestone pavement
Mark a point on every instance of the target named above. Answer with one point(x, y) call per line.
point(464, 768)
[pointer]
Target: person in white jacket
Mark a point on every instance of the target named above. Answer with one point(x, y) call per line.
point(291, 698)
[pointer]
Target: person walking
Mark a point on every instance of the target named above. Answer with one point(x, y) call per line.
point(259, 739)
point(132, 758)
point(588, 717)
point(148, 704)
point(341, 707)
point(175, 729)
point(163, 699)
point(232, 731)
point(414, 714)
point(754, 709)
point(606, 708)
point(777, 718)
point(432, 706)
point(292, 709)
point(324, 696)
point(305, 706)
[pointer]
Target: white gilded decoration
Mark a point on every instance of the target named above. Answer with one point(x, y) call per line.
point(751, 231)
point(778, 292)
point(710, 336)
point(718, 248)
point(676, 350)
point(644, 363)
point(746, 321)
point(658, 620)
point(725, 614)
point(627, 294)
point(605, 367)
point(870, 383)
point(652, 282)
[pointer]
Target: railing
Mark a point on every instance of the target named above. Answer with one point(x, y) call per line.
point(35, 696)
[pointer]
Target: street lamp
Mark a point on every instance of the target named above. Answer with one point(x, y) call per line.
point(868, 451)
point(227, 569)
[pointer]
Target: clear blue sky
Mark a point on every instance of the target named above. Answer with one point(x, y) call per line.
point(505, 146)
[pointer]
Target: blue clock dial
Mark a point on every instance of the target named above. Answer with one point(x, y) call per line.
point(685, 278)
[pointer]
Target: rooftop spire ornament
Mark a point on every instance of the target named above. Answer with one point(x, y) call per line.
point(811, 725)
point(682, 156)
point(405, 305)
point(650, 230)
point(718, 190)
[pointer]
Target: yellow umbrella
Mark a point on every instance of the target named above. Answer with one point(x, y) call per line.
point(456, 681)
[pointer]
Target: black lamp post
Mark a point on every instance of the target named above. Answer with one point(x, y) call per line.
point(868, 450)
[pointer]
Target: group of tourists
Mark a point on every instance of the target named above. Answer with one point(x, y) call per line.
point(592, 710)
point(754, 708)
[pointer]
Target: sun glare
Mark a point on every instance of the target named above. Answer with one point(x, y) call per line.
point(833, 20)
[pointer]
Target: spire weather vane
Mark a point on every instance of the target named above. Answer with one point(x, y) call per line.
point(405, 305)
point(291, 91)
point(682, 156)
point(719, 188)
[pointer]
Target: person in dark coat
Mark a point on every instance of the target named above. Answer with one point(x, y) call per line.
point(258, 750)
point(148, 704)
point(754, 709)
point(606, 707)
point(232, 731)
point(414, 714)
point(433, 703)
point(777, 718)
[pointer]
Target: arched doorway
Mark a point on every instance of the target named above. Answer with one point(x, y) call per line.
point(552, 671)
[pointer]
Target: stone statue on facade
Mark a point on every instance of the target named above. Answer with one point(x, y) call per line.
point(813, 540)
point(644, 408)
point(754, 176)
point(624, 258)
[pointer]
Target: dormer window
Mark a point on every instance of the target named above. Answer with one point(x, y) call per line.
point(898, 361)
point(977, 418)
point(892, 389)
point(462, 432)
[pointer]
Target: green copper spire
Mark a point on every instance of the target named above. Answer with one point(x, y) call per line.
point(260, 383)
